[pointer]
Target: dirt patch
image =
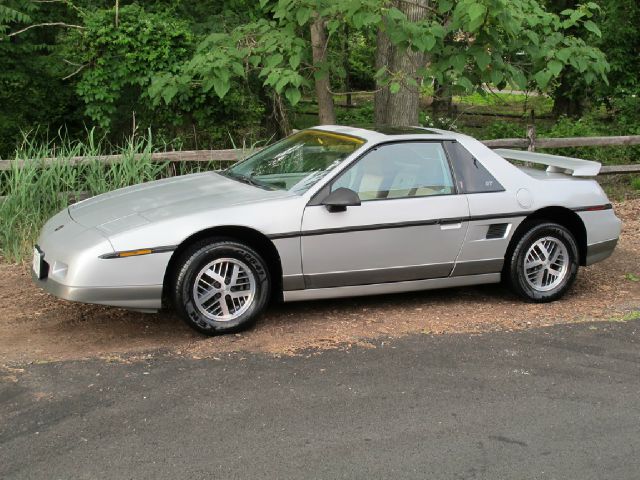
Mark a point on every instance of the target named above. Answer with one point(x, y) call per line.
point(36, 327)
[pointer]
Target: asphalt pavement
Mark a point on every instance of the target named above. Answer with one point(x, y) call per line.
point(554, 403)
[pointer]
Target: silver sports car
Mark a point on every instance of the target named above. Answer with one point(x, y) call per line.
point(332, 212)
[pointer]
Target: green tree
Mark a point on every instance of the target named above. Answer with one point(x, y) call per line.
point(462, 44)
point(469, 43)
point(621, 43)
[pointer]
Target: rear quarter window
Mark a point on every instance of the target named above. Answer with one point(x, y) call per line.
point(471, 175)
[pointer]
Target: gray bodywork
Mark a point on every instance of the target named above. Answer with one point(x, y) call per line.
point(380, 246)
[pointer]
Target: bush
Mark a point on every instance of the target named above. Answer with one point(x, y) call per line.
point(589, 126)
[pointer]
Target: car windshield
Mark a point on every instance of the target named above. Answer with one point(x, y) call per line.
point(297, 162)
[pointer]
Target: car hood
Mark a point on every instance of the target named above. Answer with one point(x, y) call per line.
point(126, 207)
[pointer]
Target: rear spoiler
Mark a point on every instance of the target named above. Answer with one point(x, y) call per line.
point(555, 163)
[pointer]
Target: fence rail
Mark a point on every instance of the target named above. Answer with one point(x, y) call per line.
point(537, 142)
point(230, 155)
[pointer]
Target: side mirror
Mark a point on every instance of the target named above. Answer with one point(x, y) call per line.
point(339, 200)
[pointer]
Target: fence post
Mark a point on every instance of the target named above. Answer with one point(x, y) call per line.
point(531, 133)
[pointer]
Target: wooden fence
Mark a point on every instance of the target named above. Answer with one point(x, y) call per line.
point(531, 142)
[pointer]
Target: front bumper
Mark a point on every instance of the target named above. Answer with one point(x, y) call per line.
point(74, 270)
point(139, 297)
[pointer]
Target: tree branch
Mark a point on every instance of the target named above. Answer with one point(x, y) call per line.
point(357, 92)
point(48, 24)
point(71, 63)
point(82, 67)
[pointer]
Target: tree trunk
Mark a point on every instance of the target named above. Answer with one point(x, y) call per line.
point(401, 108)
point(442, 101)
point(326, 110)
point(347, 66)
point(381, 97)
point(569, 97)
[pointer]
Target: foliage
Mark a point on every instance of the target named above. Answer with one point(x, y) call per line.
point(469, 42)
point(516, 43)
point(121, 63)
point(503, 129)
point(32, 91)
point(505, 103)
point(361, 47)
point(621, 43)
point(198, 72)
point(360, 116)
point(122, 60)
point(589, 126)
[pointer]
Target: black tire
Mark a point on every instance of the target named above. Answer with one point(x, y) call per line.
point(194, 260)
point(515, 273)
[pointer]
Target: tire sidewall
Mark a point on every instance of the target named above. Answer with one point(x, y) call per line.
point(516, 267)
point(194, 260)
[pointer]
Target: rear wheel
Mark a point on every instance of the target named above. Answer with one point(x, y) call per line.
point(221, 286)
point(544, 262)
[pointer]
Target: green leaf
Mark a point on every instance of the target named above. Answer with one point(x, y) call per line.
point(518, 78)
point(483, 59)
point(395, 14)
point(380, 73)
point(444, 6)
point(169, 92)
point(593, 28)
point(476, 15)
point(274, 60)
point(542, 78)
point(293, 95)
point(220, 86)
point(465, 83)
point(280, 84)
point(302, 15)
point(394, 87)
point(496, 77)
point(294, 61)
point(563, 55)
point(429, 42)
point(555, 67)
point(458, 62)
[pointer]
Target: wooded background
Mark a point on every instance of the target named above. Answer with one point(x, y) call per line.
point(219, 73)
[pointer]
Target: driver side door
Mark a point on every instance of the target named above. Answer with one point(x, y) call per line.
point(410, 224)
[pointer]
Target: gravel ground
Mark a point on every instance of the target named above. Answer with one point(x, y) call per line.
point(35, 327)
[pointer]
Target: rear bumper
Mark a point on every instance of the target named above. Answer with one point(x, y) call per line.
point(145, 297)
point(597, 252)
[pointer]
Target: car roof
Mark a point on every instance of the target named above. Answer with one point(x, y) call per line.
point(389, 133)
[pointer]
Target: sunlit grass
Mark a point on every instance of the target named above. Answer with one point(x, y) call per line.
point(34, 189)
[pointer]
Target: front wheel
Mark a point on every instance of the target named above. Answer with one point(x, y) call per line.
point(544, 263)
point(221, 286)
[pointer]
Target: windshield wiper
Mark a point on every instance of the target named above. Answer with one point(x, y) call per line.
point(246, 179)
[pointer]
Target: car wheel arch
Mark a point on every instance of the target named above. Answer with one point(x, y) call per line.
point(251, 237)
point(556, 214)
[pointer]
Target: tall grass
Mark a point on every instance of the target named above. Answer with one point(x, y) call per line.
point(37, 189)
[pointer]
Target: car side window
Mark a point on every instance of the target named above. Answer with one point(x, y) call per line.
point(471, 175)
point(399, 170)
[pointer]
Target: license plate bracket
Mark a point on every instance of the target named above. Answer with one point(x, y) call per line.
point(38, 264)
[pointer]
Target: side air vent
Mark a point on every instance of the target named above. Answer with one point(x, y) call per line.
point(497, 230)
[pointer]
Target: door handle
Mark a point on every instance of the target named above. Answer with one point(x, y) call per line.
point(450, 226)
